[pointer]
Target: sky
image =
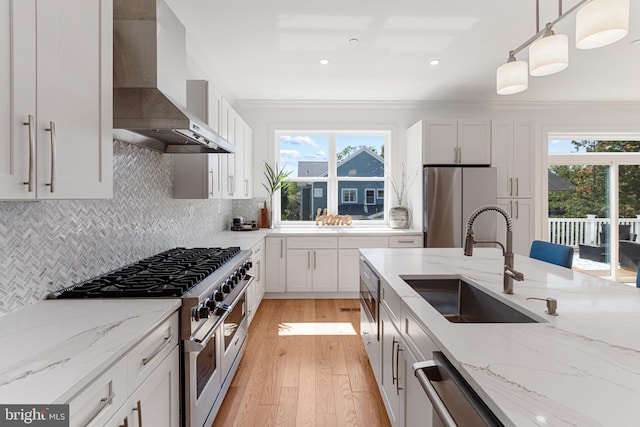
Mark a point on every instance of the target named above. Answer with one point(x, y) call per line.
point(309, 147)
point(563, 146)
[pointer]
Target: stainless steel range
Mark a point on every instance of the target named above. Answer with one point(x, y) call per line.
point(211, 282)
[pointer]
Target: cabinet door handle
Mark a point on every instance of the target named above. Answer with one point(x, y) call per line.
point(393, 352)
point(517, 188)
point(308, 260)
point(281, 248)
point(125, 423)
point(314, 260)
point(511, 207)
point(517, 210)
point(211, 186)
point(511, 186)
point(32, 149)
point(166, 342)
point(104, 403)
point(398, 350)
point(52, 130)
point(138, 408)
point(258, 268)
point(246, 187)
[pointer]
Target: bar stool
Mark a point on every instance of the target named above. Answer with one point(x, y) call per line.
point(552, 253)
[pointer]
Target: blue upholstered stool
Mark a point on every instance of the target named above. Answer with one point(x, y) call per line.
point(552, 253)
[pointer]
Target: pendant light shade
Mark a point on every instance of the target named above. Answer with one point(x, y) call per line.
point(549, 55)
point(601, 23)
point(512, 77)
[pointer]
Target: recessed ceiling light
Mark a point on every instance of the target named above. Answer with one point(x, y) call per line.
point(324, 61)
point(434, 61)
point(354, 41)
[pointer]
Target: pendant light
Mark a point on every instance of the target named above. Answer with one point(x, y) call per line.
point(549, 54)
point(598, 23)
point(601, 23)
point(512, 77)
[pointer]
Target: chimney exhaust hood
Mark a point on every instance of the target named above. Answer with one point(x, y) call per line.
point(150, 84)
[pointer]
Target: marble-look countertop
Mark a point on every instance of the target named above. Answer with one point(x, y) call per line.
point(247, 239)
point(580, 368)
point(54, 348)
point(342, 231)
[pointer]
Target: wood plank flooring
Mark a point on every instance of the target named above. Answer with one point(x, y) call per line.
point(303, 379)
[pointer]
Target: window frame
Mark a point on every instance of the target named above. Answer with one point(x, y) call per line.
point(378, 196)
point(373, 196)
point(343, 191)
point(332, 180)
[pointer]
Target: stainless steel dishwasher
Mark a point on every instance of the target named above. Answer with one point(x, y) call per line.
point(455, 404)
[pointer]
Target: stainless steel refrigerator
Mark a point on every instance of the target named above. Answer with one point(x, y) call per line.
point(450, 195)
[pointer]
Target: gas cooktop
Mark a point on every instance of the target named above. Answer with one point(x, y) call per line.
point(168, 274)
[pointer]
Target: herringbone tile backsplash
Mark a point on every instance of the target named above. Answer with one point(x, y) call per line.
point(47, 245)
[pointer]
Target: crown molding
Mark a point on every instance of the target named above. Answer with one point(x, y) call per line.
point(426, 105)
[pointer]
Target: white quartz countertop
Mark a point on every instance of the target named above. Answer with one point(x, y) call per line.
point(52, 349)
point(580, 368)
point(342, 231)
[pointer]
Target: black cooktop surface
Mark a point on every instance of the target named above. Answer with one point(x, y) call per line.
point(167, 274)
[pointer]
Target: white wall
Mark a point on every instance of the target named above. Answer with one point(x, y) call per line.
point(265, 117)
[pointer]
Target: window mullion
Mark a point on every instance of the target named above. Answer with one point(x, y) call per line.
point(332, 196)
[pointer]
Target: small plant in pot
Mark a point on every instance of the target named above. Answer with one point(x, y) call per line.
point(275, 179)
point(399, 214)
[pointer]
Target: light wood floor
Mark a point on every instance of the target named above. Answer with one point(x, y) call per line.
point(303, 380)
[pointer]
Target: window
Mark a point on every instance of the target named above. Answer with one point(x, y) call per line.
point(592, 184)
point(349, 195)
point(370, 196)
point(343, 172)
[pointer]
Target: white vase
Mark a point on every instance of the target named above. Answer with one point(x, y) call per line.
point(399, 217)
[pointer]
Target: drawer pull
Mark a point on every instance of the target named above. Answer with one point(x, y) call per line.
point(406, 241)
point(166, 342)
point(104, 403)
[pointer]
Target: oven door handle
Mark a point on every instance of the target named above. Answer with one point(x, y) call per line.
point(194, 345)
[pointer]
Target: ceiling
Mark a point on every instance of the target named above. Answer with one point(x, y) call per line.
point(270, 50)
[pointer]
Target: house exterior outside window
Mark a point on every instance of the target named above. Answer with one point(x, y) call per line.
point(343, 172)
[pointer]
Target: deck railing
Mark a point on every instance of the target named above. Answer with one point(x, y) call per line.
point(573, 231)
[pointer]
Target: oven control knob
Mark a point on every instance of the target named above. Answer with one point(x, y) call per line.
point(226, 288)
point(242, 271)
point(204, 312)
point(249, 264)
point(218, 296)
point(236, 278)
point(211, 303)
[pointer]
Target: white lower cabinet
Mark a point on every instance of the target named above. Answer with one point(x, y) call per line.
point(389, 381)
point(156, 401)
point(349, 259)
point(256, 290)
point(275, 256)
point(312, 270)
point(141, 389)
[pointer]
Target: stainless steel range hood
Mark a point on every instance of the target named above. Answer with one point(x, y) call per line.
point(150, 85)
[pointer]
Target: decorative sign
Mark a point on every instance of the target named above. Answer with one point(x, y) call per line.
point(325, 219)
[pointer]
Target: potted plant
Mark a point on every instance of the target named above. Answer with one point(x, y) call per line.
point(275, 179)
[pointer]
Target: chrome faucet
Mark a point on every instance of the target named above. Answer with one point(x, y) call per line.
point(509, 273)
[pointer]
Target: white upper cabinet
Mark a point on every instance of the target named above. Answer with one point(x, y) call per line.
point(514, 157)
point(237, 167)
point(199, 176)
point(463, 142)
point(56, 121)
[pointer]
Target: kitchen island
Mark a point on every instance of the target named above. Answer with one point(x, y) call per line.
point(579, 368)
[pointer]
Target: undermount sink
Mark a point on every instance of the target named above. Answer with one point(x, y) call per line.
point(462, 302)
